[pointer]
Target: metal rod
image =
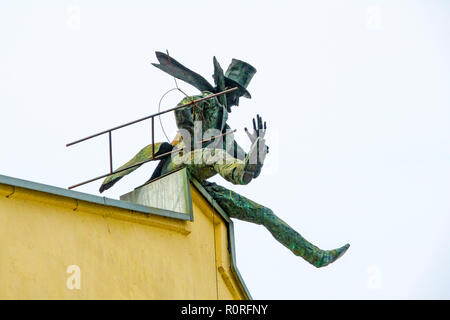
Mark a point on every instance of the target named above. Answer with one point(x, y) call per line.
point(153, 115)
point(145, 161)
point(118, 171)
point(153, 137)
point(110, 153)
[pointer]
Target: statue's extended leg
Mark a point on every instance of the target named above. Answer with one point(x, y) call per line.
point(239, 207)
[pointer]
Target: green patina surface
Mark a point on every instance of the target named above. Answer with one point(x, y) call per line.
point(143, 155)
point(239, 207)
point(223, 157)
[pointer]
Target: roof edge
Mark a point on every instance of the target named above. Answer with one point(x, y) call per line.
point(35, 186)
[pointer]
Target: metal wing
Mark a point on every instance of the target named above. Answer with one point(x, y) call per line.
point(176, 69)
point(219, 80)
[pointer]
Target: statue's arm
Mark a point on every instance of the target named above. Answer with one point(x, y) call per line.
point(254, 160)
point(234, 170)
point(241, 167)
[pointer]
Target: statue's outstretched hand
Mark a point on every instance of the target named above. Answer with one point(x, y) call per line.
point(258, 150)
point(259, 131)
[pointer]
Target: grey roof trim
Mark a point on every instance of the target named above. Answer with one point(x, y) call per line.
point(90, 198)
point(216, 206)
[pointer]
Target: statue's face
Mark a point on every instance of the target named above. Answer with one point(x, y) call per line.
point(233, 99)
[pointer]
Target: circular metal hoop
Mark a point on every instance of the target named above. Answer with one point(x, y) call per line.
point(159, 110)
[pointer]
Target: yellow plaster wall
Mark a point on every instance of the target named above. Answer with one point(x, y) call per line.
point(121, 254)
point(228, 285)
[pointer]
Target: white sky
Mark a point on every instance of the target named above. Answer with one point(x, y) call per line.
point(355, 94)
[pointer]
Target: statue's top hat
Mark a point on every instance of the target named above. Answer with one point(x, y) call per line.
point(239, 73)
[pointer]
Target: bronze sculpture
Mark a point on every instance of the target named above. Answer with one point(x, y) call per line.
point(206, 159)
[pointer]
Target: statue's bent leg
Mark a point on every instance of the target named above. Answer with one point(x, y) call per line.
point(239, 207)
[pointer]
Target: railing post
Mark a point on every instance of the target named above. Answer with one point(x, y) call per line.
point(153, 137)
point(110, 153)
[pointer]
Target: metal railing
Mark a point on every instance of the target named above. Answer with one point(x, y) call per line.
point(152, 117)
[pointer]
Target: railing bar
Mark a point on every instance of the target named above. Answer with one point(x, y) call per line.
point(196, 101)
point(153, 115)
point(145, 161)
point(118, 171)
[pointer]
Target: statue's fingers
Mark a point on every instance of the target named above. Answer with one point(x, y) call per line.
point(259, 125)
point(263, 129)
point(254, 124)
point(250, 136)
